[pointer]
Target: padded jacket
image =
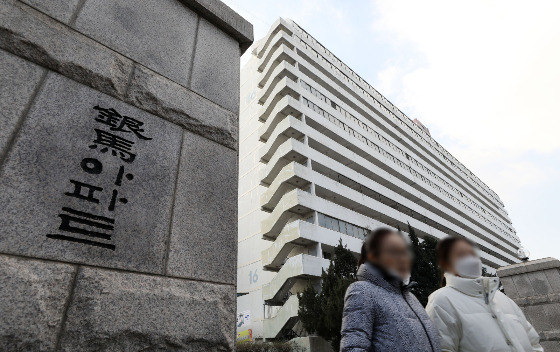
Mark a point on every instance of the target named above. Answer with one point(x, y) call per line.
point(472, 315)
point(380, 314)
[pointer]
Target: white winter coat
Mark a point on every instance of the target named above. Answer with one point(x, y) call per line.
point(472, 315)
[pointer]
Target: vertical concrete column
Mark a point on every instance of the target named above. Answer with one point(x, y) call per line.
point(118, 174)
point(535, 287)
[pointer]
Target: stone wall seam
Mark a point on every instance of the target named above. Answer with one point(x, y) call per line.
point(170, 229)
point(19, 123)
point(193, 55)
point(47, 14)
point(76, 13)
point(66, 306)
point(45, 260)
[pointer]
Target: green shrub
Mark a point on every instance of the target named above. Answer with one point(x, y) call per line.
point(321, 312)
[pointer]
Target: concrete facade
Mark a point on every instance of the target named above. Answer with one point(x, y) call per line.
point(118, 174)
point(324, 157)
point(535, 287)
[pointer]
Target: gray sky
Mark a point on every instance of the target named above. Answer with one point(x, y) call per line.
point(483, 76)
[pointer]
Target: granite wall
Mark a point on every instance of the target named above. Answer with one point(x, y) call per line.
point(535, 287)
point(118, 174)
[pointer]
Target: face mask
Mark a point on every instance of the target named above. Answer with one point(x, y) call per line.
point(469, 267)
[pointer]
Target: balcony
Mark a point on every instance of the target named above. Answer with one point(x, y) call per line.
point(280, 70)
point(301, 266)
point(302, 233)
point(289, 127)
point(287, 106)
point(278, 40)
point(289, 151)
point(281, 54)
point(280, 25)
point(284, 319)
point(283, 87)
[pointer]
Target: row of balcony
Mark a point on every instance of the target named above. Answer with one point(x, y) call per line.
point(288, 70)
point(340, 201)
point(311, 43)
point(277, 124)
point(409, 169)
point(397, 149)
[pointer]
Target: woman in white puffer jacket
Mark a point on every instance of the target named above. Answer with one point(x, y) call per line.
point(470, 313)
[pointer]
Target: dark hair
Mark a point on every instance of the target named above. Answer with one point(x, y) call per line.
point(363, 255)
point(373, 242)
point(443, 250)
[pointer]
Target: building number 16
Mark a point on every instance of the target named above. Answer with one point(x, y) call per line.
point(253, 277)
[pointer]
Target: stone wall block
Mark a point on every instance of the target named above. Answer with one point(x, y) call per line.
point(33, 294)
point(159, 34)
point(204, 234)
point(553, 277)
point(509, 287)
point(47, 174)
point(550, 345)
point(160, 96)
point(215, 72)
point(18, 81)
point(523, 284)
point(553, 317)
point(38, 38)
point(61, 10)
point(539, 282)
point(120, 311)
point(537, 315)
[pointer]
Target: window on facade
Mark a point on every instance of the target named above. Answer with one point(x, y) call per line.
point(322, 221)
point(335, 226)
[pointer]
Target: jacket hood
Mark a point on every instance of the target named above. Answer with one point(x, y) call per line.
point(378, 276)
point(473, 287)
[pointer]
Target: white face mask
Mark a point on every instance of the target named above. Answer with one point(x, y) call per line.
point(469, 267)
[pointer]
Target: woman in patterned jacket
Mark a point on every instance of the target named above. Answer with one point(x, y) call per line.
point(380, 312)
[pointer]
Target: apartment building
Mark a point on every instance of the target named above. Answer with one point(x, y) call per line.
point(324, 157)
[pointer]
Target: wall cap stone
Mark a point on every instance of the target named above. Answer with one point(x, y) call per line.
point(552, 335)
point(528, 267)
point(536, 300)
point(223, 17)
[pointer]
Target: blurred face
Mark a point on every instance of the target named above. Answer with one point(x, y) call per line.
point(460, 249)
point(394, 255)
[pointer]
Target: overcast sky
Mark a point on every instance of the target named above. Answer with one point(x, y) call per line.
point(483, 76)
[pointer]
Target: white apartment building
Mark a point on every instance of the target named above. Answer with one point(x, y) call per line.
point(324, 157)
